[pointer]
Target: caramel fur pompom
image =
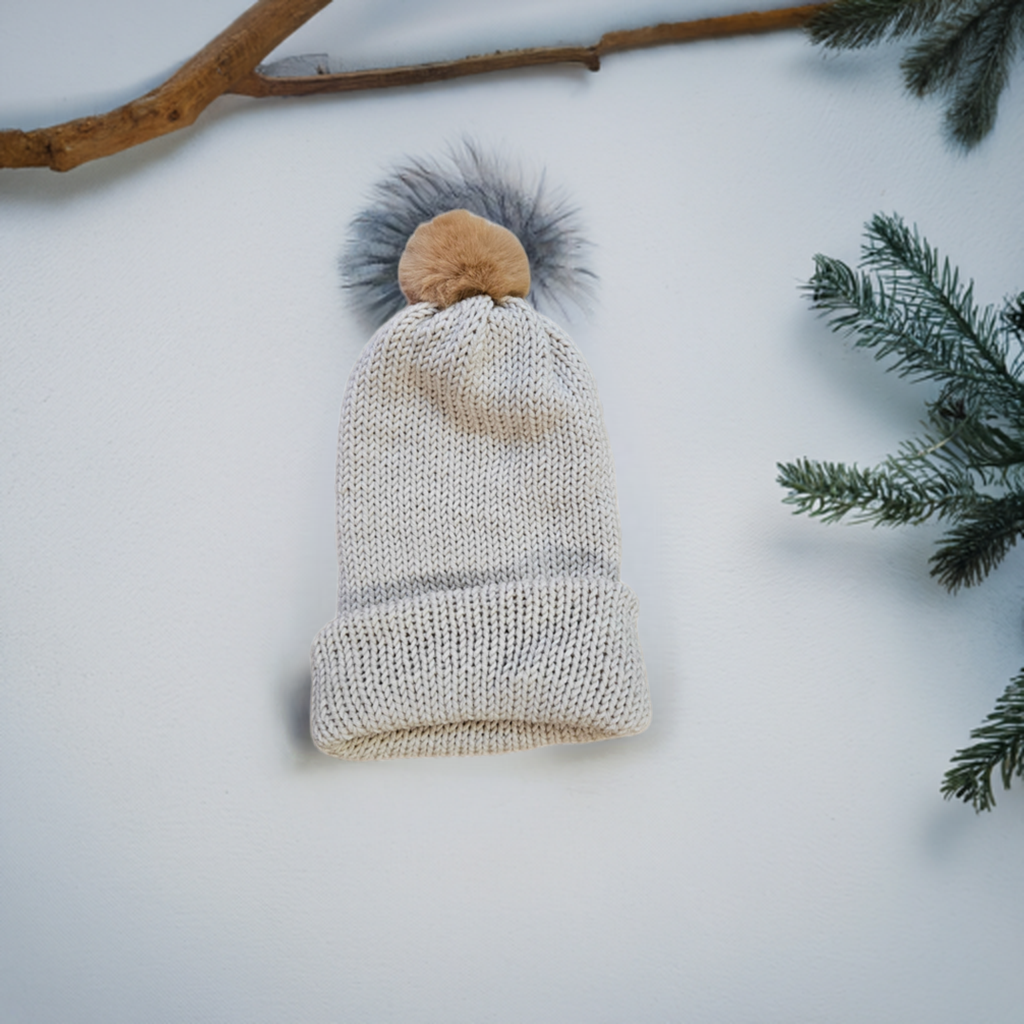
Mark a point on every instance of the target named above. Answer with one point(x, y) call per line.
point(459, 254)
point(487, 184)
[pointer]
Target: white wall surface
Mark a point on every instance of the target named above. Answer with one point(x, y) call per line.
point(173, 350)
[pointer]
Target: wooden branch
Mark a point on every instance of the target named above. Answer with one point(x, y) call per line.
point(173, 105)
point(260, 85)
point(227, 65)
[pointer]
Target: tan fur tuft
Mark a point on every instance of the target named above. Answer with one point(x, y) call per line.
point(459, 254)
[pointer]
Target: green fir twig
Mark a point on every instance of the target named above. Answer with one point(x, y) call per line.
point(999, 744)
point(979, 542)
point(852, 24)
point(964, 48)
point(911, 308)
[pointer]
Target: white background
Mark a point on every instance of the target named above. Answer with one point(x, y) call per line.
point(173, 349)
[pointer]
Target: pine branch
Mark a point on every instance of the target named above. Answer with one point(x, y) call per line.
point(852, 24)
point(1000, 743)
point(916, 311)
point(957, 39)
point(962, 441)
point(966, 47)
point(869, 309)
point(887, 496)
point(971, 115)
point(1012, 316)
point(980, 541)
point(968, 465)
point(932, 289)
point(968, 55)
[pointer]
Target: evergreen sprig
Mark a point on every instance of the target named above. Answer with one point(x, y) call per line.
point(999, 743)
point(980, 541)
point(912, 309)
point(964, 49)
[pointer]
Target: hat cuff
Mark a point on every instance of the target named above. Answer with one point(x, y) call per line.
point(484, 670)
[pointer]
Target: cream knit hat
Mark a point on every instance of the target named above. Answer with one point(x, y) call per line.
point(479, 603)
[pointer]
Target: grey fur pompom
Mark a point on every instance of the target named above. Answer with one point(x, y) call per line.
point(420, 189)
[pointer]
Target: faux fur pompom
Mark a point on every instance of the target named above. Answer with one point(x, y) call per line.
point(418, 191)
point(458, 254)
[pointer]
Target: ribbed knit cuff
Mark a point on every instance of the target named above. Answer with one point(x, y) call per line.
point(481, 671)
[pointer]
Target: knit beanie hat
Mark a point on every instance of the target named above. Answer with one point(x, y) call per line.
point(479, 603)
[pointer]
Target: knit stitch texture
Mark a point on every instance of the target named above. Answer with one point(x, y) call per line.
point(479, 602)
